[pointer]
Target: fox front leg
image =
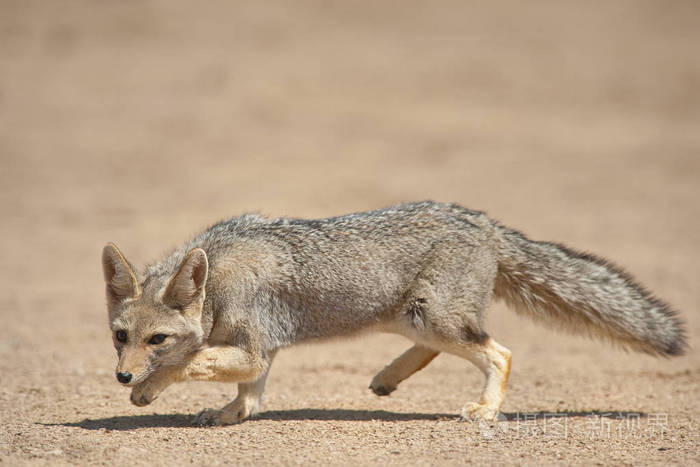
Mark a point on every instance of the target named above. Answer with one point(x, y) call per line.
point(224, 364)
point(148, 390)
point(245, 405)
point(229, 364)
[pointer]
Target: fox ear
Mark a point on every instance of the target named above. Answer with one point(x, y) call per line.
point(119, 275)
point(188, 284)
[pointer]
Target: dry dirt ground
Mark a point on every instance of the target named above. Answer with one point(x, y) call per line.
point(141, 122)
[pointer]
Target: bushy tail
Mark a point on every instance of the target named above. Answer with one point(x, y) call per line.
point(583, 294)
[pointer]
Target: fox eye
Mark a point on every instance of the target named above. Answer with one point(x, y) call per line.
point(121, 336)
point(157, 339)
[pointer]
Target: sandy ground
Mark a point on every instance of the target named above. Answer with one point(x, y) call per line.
point(141, 122)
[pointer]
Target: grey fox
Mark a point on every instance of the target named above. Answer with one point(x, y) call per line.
point(219, 307)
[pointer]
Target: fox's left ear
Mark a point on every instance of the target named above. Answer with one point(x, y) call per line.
point(188, 284)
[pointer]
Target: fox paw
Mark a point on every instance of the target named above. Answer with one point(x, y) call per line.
point(474, 412)
point(381, 388)
point(148, 390)
point(239, 410)
point(142, 395)
point(235, 412)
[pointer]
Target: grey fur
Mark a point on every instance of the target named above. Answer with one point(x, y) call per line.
point(239, 291)
point(584, 294)
point(430, 266)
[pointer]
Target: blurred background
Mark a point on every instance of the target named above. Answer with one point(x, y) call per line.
point(141, 122)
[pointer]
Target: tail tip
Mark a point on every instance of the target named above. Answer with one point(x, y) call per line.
point(676, 345)
point(676, 348)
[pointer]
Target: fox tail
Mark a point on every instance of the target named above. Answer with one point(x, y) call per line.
point(583, 294)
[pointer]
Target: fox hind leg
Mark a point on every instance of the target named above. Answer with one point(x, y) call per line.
point(494, 361)
point(451, 320)
point(409, 362)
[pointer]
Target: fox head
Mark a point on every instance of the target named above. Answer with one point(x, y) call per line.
point(156, 321)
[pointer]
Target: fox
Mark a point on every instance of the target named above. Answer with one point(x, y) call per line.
point(220, 307)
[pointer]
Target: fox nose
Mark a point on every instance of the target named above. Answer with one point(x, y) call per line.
point(124, 377)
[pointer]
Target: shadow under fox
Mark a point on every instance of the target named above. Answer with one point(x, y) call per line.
point(218, 308)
